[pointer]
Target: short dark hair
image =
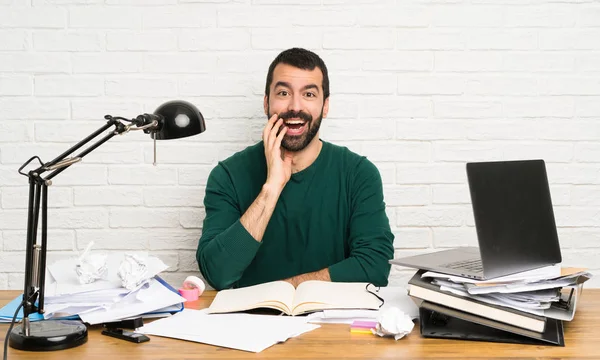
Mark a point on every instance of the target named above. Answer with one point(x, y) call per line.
point(302, 59)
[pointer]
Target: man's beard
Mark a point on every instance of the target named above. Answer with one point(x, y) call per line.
point(299, 142)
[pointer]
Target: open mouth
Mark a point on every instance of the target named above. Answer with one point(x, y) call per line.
point(295, 126)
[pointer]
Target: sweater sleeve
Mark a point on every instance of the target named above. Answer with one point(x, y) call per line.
point(226, 248)
point(370, 238)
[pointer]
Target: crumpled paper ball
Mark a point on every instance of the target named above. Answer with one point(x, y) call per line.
point(132, 271)
point(91, 267)
point(393, 322)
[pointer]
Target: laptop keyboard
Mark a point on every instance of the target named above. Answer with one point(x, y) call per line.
point(473, 265)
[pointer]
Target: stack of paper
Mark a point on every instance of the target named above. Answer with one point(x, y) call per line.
point(236, 331)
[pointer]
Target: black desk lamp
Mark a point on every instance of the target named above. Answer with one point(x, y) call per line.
point(172, 120)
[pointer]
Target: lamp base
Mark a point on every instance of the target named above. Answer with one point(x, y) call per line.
point(49, 335)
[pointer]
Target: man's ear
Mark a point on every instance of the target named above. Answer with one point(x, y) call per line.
point(266, 105)
point(326, 107)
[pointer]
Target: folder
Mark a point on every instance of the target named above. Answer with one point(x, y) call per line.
point(438, 321)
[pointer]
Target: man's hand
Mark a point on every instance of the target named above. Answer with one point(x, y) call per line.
point(279, 164)
point(322, 275)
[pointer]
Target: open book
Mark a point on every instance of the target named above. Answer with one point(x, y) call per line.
point(308, 297)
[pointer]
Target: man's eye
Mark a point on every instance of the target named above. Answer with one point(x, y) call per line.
point(282, 93)
point(309, 94)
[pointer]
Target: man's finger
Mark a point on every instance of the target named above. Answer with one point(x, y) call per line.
point(273, 135)
point(269, 126)
point(279, 138)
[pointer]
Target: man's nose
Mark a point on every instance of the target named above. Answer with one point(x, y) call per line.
point(295, 103)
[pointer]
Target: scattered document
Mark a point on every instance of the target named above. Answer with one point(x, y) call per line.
point(246, 332)
point(544, 273)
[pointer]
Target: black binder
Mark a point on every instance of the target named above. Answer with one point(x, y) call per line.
point(438, 321)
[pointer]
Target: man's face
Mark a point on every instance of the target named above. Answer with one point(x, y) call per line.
point(296, 95)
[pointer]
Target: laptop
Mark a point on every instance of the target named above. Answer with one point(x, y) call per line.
point(514, 220)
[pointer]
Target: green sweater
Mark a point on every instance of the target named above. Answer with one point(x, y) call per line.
point(329, 215)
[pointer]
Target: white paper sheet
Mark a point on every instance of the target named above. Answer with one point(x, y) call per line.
point(547, 272)
point(246, 332)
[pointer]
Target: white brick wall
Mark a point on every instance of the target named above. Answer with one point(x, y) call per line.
point(418, 86)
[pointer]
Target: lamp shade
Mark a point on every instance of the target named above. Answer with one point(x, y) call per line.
point(179, 119)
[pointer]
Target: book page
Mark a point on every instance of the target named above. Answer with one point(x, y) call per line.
point(277, 295)
point(319, 295)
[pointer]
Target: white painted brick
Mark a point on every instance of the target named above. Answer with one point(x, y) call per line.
point(584, 258)
point(352, 38)
point(69, 132)
point(323, 17)
point(393, 106)
point(587, 106)
point(589, 62)
point(409, 84)
point(209, 85)
point(539, 61)
point(170, 196)
point(587, 152)
point(459, 107)
point(589, 85)
point(12, 261)
point(193, 175)
point(406, 16)
point(57, 239)
point(398, 151)
point(141, 2)
point(144, 218)
point(193, 218)
point(42, 63)
point(390, 212)
point(142, 175)
point(502, 39)
point(569, 39)
point(180, 16)
point(466, 151)
point(358, 2)
point(430, 39)
point(422, 129)
point(522, 129)
point(364, 84)
point(254, 17)
point(399, 61)
point(97, 17)
point(407, 195)
point(147, 87)
point(387, 172)
point(10, 177)
point(107, 196)
point(577, 238)
point(187, 63)
point(588, 16)
point(3, 281)
point(502, 85)
point(95, 109)
point(110, 62)
point(187, 261)
point(577, 216)
point(227, 130)
point(308, 38)
point(168, 239)
point(67, 40)
point(114, 239)
point(573, 173)
point(14, 131)
point(585, 195)
point(13, 219)
point(412, 238)
point(286, 2)
point(540, 106)
point(82, 174)
point(569, 129)
point(141, 41)
point(444, 237)
point(31, 108)
point(353, 129)
point(13, 40)
point(463, 15)
point(214, 39)
point(561, 195)
point(15, 281)
point(254, 62)
point(451, 194)
point(540, 16)
point(436, 173)
point(338, 60)
point(17, 197)
point(62, 85)
point(86, 218)
point(39, 17)
point(14, 85)
point(432, 216)
point(469, 61)
point(549, 151)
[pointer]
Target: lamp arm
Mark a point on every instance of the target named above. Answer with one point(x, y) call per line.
point(35, 257)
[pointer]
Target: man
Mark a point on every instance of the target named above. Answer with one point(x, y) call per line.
point(294, 207)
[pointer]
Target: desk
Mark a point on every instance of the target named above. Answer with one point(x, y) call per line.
point(334, 341)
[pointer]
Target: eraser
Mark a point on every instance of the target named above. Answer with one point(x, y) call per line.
point(194, 282)
point(189, 294)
